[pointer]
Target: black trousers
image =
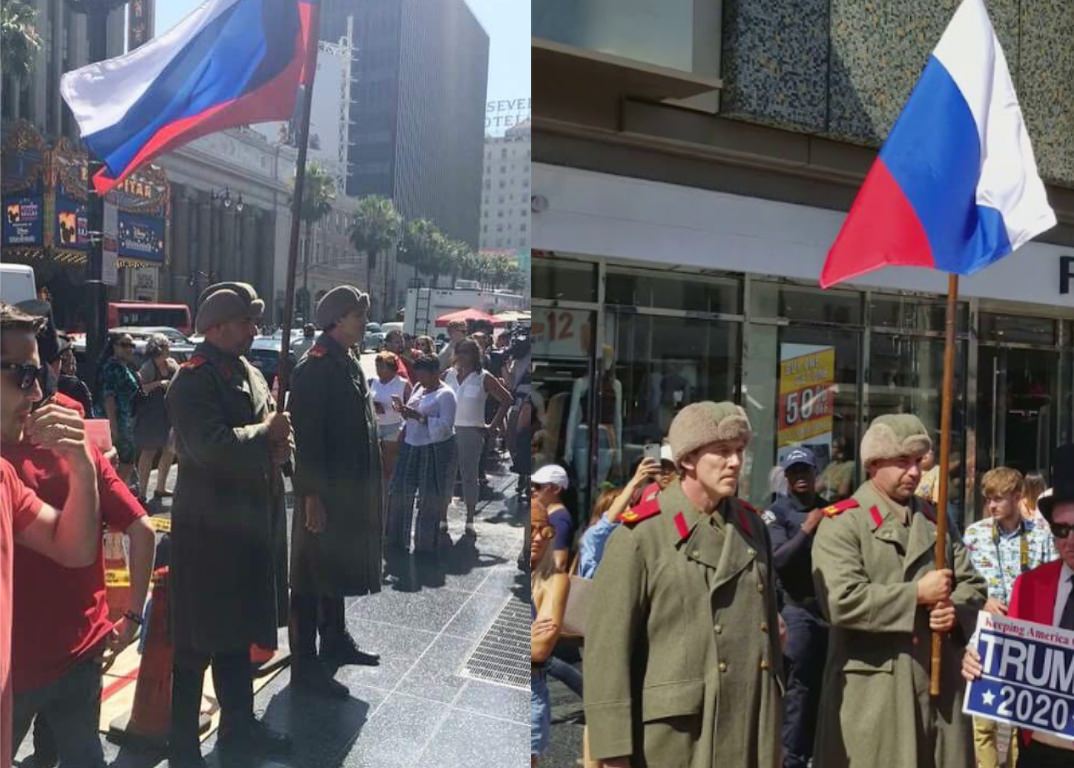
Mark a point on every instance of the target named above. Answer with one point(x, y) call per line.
point(233, 682)
point(311, 614)
point(1037, 755)
point(807, 647)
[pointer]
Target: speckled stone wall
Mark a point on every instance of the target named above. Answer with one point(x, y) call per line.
point(775, 61)
point(844, 68)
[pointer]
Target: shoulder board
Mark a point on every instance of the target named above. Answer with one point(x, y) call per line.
point(839, 507)
point(649, 506)
point(195, 362)
point(317, 351)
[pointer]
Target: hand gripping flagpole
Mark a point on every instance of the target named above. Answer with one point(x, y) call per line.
point(946, 397)
point(310, 69)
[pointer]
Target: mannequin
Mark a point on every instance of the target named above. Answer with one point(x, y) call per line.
point(610, 423)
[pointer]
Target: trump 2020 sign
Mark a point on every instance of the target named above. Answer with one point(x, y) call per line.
point(1028, 677)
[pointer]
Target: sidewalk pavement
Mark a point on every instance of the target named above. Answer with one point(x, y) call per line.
point(421, 707)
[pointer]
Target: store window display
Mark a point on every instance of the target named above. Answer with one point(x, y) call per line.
point(609, 423)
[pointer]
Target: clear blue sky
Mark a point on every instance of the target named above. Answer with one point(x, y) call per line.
point(507, 23)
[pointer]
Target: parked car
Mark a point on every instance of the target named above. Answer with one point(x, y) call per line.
point(264, 355)
point(180, 350)
point(374, 338)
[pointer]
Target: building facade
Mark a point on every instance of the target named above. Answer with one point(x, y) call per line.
point(417, 100)
point(694, 162)
point(505, 191)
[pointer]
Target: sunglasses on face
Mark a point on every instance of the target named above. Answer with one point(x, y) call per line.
point(537, 486)
point(545, 532)
point(25, 374)
point(1061, 530)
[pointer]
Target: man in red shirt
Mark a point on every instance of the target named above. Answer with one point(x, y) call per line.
point(1045, 595)
point(71, 538)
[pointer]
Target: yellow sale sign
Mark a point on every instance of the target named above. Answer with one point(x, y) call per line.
point(806, 381)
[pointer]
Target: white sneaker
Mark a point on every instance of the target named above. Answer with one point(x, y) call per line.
point(443, 527)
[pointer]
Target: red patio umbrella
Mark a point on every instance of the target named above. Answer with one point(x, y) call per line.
point(466, 315)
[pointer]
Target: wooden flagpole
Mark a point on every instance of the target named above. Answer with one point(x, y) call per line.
point(284, 369)
point(946, 401)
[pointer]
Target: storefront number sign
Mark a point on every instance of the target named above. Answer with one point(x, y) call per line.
point(561, 332)
point(806, 379)
point(1028, 677)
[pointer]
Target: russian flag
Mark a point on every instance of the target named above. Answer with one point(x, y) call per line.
point(955, 186)
point(229, 63)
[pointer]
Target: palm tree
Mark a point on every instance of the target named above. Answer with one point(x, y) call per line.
point(376, 228)
point(19, 40)
point(318, 192)
point(421, 240)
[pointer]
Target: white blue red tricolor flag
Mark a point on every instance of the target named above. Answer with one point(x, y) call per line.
point(229, 63)
point(955, 186)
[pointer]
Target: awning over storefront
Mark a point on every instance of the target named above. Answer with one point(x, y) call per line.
point(468, 315)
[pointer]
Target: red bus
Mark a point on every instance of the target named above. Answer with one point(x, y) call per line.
point(144, 313)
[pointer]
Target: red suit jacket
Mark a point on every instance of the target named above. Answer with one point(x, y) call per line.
point(1033, 599)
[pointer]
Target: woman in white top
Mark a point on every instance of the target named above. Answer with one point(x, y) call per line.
point(388, 384)
point(426, 460)
point(472, 386)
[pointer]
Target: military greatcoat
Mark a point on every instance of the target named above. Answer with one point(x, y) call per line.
point(875, 706)
point(683, 664)
point(228, 585)
point(338, 459)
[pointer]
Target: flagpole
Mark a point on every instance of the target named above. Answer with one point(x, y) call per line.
point(284, 369)
point(946, 397)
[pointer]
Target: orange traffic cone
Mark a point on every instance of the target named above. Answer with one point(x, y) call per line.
point(117, 577)
point(149, 720)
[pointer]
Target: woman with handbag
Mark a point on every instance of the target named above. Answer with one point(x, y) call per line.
point(549, 587)
point(152, 431)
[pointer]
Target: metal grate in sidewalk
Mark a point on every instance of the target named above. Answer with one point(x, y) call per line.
point(503, 654)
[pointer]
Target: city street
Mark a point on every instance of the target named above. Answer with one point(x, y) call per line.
point(424, 705)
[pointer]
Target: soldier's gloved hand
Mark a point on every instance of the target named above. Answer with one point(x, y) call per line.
point(942, 617)
point(971, 664)
point(316, 517)
point(279, 426)
point(934, 587)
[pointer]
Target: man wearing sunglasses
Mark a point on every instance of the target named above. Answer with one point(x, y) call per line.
point(70, 538)
point(1045, 595)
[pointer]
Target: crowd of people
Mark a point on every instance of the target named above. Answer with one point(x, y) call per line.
point(374, 463)
point(713, 633)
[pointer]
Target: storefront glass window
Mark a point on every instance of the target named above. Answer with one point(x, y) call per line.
point(1015, 329)
point(905, 375)
point(1017, 408)
point(808, 305)
point(692, 293)
point(801, 388)
point(913, 313)
point(563, 280)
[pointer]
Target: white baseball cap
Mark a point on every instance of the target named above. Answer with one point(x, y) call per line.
point(551, 474)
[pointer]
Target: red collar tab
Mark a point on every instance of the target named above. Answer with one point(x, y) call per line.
point(681, 526)
point(839, 507)
point(878, 518)
point(196, 361)
point(317, 351)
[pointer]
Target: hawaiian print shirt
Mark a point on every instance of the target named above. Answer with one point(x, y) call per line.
point(1001, 557)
